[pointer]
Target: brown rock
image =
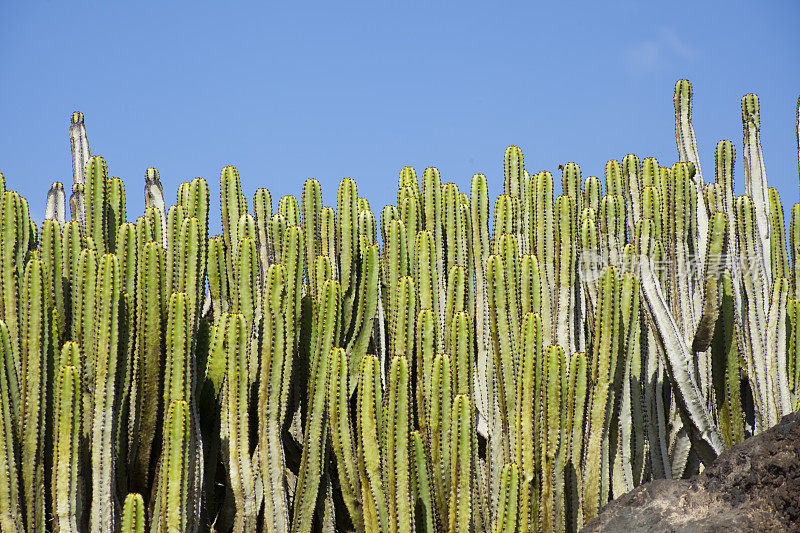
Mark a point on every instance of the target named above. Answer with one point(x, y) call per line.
point(754, 486)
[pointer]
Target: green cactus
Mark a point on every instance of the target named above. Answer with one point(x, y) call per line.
point(10, 515)
point(397, 466)
point(33, 392)
point(108, 302)
point(133, 517)
point(342, 436)
point(66, 442)
point(461, 464)
point(146, 390)
point(174, 474)
point(506, 514)
point(467, 374)
point(235, 425)
point(314, 442)
point(369, 424)
point(274, 376)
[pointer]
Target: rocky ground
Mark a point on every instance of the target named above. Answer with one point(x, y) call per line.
point(754, 486)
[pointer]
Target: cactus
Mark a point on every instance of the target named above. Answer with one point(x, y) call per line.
point(10, 515)
point(235, 423)
point(133, 517)
point(104, 390)
point(467, 374)
point(174, 470)
point(66, 442)
point(274, 377)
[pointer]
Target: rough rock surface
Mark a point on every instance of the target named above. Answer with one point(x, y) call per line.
point(754, 486)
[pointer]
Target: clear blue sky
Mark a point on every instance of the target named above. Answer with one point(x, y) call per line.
point(351, 89)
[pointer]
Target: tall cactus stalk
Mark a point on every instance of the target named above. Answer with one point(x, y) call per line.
point(106, 352)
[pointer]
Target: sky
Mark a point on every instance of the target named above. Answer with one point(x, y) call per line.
point(356, 89)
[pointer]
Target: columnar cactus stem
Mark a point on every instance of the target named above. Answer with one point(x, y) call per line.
point(725, 346)
point(366, 307)
point(12, 220)
point(687, 151)
point(342, 436)
point(154, 199)
point(433, 207)
point(424, 507)
point(174, 475)
point(480, 246)
point(397, 467)
point(66, 443)
point(104, 386)
point(347, 241)
point(56, 206)
point(461, 464)
point(312, 206)
point(778, 259)
point(500, 306)
point(10, 515)
point(527, 415)
point(116, 215)
point(755, 182)
point(97, 215)
point(133, 517)
point(369, 424)
point(506, 514)
point(606, 342)
point(33, 374)
point(314, 439)
point(79, 144)
point(272, 396)
point(704, 434)
point(147, 386)
point(439, 430)
point(236, 425)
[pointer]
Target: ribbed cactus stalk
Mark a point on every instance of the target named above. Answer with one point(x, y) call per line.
point(461, 464)
point(500, 307)
point(687, 151)
point(98, 211)
point(12, 250)
point(66, 445)
point(527, 418)
point(10, 515)
point(606, 341)
point(235, 425)
point(107, 320)
point(422, 491)
point(274, 376)
point(79, 144)
point(147, 389)
point(343, 438)
point(56, 206)
point(506, 515)
point(396, 452)
point(369, 426)
point(32, 373)
point(154, 199)
point(174, 477)
point(314, 440)
point(133, 515)
point(755, 180)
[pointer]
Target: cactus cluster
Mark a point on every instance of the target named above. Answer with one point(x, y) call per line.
point(464, 372)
